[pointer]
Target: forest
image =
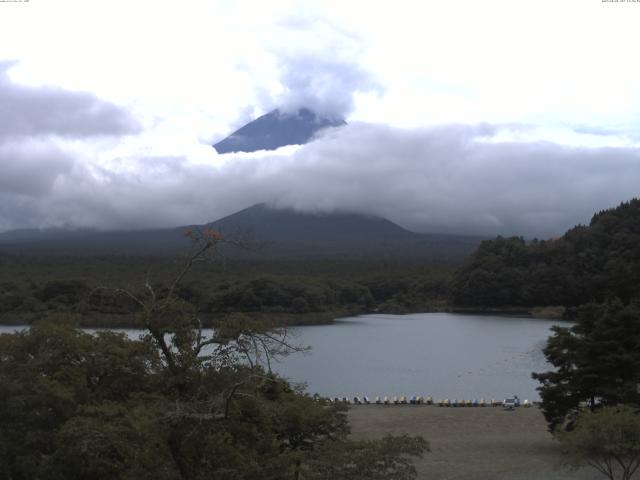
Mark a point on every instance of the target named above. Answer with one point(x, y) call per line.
point(587, 264)
point(287, 292)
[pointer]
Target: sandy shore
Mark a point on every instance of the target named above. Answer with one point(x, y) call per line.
point(471, 443)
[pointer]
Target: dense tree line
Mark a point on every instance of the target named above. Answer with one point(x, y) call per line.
point(587, 264)
point(295, 292)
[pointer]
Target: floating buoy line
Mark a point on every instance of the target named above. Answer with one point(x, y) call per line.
point(507, 403)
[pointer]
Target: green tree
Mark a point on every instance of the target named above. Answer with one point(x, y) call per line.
point(48, 373)
point(607, 440)
point(587, 264)
point(596, 361)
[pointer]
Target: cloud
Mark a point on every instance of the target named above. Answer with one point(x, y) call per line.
point(324, 85)
point(27, 111)
point(446, 179)
point(452, 179)
point(37, 126)
point(31, 167)
point(319, 68)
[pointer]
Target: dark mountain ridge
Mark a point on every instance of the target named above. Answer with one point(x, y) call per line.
point(276, 129)
point(273, 224)
point(281, 233)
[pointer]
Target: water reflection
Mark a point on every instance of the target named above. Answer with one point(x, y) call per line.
point(443, 355)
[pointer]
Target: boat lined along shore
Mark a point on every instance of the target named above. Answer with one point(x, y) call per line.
point(507, 403)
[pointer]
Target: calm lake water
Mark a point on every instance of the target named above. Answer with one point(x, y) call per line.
point(438, 354)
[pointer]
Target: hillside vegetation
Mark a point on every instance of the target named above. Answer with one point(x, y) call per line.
point(265, 233)
point(286, 292)
point(587, 264)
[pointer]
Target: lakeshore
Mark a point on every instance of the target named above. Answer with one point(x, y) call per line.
point(281, 319)
point(429, 354)
point(471, 443)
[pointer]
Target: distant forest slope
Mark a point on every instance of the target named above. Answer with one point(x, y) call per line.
point(288, 234)
point(588, 263)
point(271, 234)
point(286, 292)
point(299, 268)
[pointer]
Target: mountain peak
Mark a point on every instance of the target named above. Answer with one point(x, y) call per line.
point(276, 129)
point(268, 221)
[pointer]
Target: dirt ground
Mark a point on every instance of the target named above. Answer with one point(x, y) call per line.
point(471, 443)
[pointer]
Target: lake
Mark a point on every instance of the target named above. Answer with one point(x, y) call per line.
point(438, 354)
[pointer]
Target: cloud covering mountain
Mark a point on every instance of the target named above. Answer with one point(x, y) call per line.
point(457, 123)
point(325, 75)
point(446, 179)
point(276, 129)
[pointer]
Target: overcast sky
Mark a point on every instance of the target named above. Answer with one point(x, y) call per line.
point(490, 117)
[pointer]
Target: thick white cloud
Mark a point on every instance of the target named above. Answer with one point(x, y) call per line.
point(45, 111)
point(319, 67)
point(38, 127)
point(325, 85)
point(31, 167)
point(444, 179)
